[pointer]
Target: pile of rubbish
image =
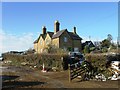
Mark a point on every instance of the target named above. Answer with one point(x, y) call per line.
point(92, 73)
point(113, 64)
point(115, 69)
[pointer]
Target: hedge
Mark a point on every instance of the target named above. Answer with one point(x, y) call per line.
point(50, 60)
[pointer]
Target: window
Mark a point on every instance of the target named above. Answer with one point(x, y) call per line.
point(47, 41)
point(65, 39)
point(40, 42)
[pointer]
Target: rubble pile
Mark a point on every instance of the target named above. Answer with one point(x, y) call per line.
point(115, 67)
point(102, 73)
point(113, 63)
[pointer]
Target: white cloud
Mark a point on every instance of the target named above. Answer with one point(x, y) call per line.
point(11, 42)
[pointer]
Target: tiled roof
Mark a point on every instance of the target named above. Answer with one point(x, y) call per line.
point(58, 33)
point(35, 41)
point(74, 36)
point(50, 33)
point(89, 43)
point(41, 35)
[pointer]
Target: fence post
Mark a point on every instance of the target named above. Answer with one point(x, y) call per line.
point(69, 72)
point(62, 63)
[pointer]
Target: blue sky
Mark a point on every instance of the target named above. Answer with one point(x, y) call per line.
point(94, 19)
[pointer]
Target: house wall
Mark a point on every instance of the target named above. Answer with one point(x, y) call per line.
point(55, 42)
point(58, 42)
point(66, 45)
point(77, 44)
point(41, 45)
point(48, 40)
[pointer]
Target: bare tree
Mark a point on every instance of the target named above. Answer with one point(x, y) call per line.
point(109, 37)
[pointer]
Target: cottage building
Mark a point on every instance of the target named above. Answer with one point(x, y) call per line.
point(59, 38)
point(88, 43)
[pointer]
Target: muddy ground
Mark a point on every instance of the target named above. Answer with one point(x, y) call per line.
point(26, 77)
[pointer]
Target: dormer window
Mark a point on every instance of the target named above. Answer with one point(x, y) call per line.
point(65, 39)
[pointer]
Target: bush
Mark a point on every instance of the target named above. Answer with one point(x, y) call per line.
point(50, 60)
point(104, 50)
point(86, 49)
point(92, 48)
point(99, 61)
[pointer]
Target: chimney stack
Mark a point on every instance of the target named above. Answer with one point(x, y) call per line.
point(56, 26)
point(43, 29)
point(74, 30)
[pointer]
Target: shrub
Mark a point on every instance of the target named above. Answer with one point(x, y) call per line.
point(98, 61)
point(86, 49)
point(92, 48)
point(104, 50)
point(50, 60)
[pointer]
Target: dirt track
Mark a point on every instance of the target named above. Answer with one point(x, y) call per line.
point(24, 77)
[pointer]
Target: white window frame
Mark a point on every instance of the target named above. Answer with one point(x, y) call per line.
point(65, 39)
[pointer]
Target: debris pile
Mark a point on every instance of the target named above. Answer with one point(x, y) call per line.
point(113, 63)
point(100, 77)
point(100, 72)
point(116, 70)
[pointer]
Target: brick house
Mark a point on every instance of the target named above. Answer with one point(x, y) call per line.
point(59, 38)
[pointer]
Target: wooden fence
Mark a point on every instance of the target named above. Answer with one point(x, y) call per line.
point(75, 70)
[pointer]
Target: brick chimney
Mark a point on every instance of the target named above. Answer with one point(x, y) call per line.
point(74, 30)
point(56, 26)
point(43, 29)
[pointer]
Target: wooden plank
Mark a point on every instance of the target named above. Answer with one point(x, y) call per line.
point(69, 72)
point(78, 73)
point(75, 70)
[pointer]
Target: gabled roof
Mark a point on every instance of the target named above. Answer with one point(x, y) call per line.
point(58, 33)
point(41, 35)
point(44, 36)
point(89, 43)
point(50, 34)
point(74, 36)
point(35, 41)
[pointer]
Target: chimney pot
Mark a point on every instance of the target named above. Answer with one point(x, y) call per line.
point(56, 26)
point(44, 29)
point(74, 30)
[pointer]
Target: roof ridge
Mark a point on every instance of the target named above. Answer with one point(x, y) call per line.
point(58, 33)
point(49, 32)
